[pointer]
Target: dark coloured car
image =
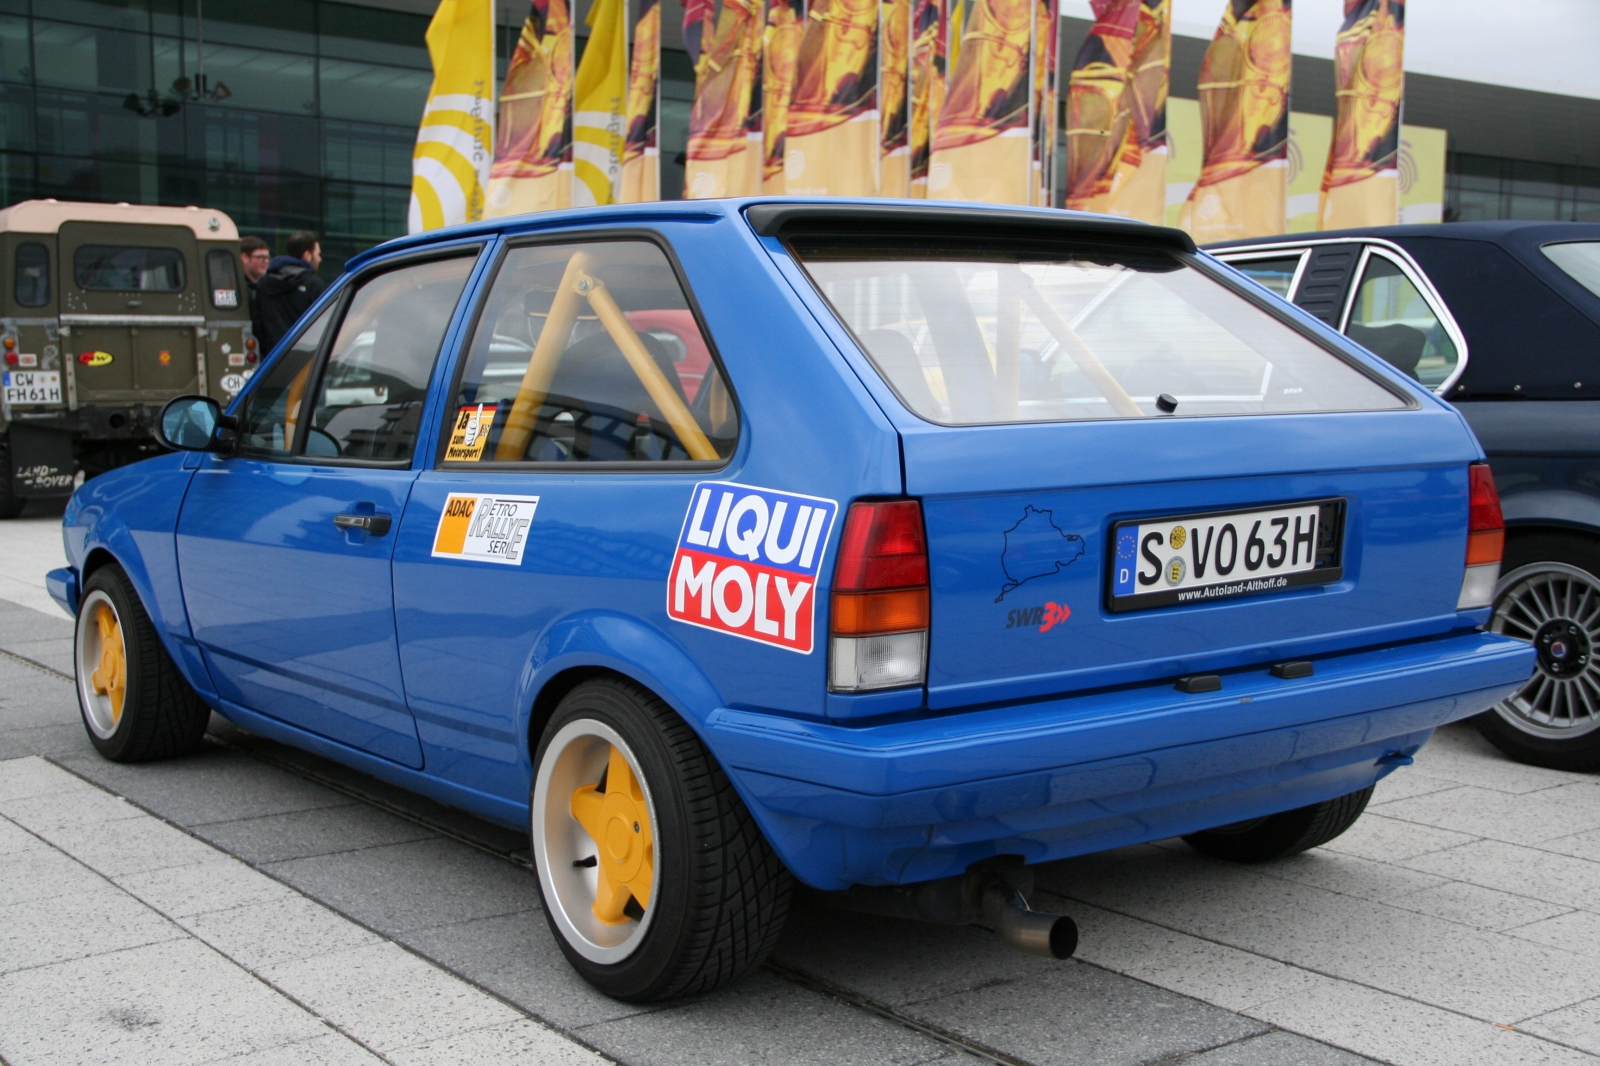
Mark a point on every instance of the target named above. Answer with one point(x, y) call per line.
point(1503, 320)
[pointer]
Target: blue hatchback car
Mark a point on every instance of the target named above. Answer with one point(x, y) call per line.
point(884, 547)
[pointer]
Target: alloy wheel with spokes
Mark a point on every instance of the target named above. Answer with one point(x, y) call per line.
point(1557, 608)
point(102, 664)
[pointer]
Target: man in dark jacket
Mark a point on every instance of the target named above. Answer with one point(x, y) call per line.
point(289, 286)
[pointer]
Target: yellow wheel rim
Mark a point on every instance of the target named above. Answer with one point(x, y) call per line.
point(618, 821)
point(110, 677)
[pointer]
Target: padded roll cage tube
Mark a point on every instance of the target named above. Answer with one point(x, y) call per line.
point(1087, 361)
point(578, 283)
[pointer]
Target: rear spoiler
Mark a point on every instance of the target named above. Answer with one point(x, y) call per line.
point(782, 219)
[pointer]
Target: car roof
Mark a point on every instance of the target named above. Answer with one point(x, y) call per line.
point(769, 215)
point(47, 216)
point(1510, 233)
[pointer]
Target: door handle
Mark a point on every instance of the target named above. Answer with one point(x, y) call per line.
point(376, 524)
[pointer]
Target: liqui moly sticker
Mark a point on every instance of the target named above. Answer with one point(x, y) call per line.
point(747, 563)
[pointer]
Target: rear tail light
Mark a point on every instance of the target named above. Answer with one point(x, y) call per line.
point(878, 632)
point(1486, 539)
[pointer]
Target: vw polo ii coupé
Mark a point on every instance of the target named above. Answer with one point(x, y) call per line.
point(980, 538)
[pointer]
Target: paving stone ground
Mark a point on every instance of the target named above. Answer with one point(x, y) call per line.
point(255, 904)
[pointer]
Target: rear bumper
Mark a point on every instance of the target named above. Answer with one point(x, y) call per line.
point(912, 801)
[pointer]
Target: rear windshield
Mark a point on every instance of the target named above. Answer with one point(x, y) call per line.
point(125, 268)
point(1033, 333)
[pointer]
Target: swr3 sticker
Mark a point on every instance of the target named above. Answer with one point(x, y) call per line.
point(493, 529)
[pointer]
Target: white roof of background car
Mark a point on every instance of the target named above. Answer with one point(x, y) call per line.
point(46, 216)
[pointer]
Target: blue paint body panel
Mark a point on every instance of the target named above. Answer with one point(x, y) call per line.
point(425, 670)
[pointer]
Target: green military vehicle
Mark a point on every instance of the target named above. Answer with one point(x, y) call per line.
point(110, 311)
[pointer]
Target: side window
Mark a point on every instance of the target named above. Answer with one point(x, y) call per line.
point(1390, 318)
point(369, 401)
point(124, 268)
point(1276, 274)
point(221, 279)
point(268, 417)
point(590, 353)
point(33, 274)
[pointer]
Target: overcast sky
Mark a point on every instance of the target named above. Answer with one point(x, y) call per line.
point(1550, 45)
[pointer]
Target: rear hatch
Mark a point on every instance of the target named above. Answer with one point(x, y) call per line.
point(1132, 469)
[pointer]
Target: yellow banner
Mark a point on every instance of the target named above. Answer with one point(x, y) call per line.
point(1244, 109)
point(599, 107)
point(450, 165)
point(725, 83)
point(928, 46)
point(833, 142)
point(1361, 185)
point(533, 153)
point(786, 24)
point(982, 146)
point(641, 154)
point(894, 94)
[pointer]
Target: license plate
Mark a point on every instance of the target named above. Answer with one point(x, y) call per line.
point(1206, 558)
point(32, 386)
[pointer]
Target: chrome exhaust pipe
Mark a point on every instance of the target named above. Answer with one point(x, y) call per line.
point(1050, 936)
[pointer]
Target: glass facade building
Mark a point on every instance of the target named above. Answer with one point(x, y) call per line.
point(104, 100)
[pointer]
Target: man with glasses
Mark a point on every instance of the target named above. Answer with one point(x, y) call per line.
point(254, 257)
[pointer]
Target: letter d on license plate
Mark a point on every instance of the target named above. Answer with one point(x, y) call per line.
point(747, 563)
point(1204, 558)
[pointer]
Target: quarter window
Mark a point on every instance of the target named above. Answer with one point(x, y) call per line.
point(590, 353)
point(1579, 260)
point(222, 280)
point(271, 410)
point(369, 402)
point(1392, 319)
point(1276, 274)
point(125, 268)
point(33, 274)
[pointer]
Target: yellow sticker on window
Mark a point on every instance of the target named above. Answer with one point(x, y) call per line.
point(471, 433)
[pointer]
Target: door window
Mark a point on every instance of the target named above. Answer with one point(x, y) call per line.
point(224, 283)
point(590, 353)
point(1276, 274)
point(369, 401)
point(33, 274)
point(268, 417)
point(1391, 318)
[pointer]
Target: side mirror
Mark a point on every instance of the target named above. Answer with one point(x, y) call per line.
point(190, 423)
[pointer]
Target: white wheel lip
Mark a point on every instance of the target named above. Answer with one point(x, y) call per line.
point(562, 898)
point(96, 708)
point(1508, 709)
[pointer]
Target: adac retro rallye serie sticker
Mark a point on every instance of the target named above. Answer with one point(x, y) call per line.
point(747, 563)
point(492, 529)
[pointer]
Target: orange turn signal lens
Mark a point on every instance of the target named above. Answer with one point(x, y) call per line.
point(891, 611)
point(1486, 547)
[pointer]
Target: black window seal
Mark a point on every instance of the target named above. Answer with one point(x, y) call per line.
point(574, 237)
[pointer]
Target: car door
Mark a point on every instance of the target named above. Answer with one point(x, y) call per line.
point(559, 490)
point(284, 547)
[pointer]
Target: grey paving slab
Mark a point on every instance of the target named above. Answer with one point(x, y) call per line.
point(1459, 753)
point(175, 1004)
point(1577, 1026)
point(125, 846)
point(281, 930)
point(1521, 871)
point(212, 785)
point(15, 839)
point(1578, 845)
point(1077, 1015)
point(24, 623)
point(302, 834)
point(329, 1050)
point(1380, 838)
point(1351, 875)
point(402, 887)
point(516, 957)
point(1524, 818)
point(1277, 1049)
point(52, 740)
point(518, 1041)
point(899, 962)
point(80, 807)
point(386, 997)
point(757, 1022)
point(1405, 783)
point(1574, 931)
point(40, 872)
point(55, 653)
point(83, 918)
point(29, 778)
point(220, 883)
point(1481, 908)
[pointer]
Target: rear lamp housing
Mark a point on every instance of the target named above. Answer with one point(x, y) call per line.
point(1486, 539)
point(878, 616)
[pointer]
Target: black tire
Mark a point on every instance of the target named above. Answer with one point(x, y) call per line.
point(1574, 562)
point(11, 504)
point(1277, 835)
point(159, 715)
point(721, 894)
